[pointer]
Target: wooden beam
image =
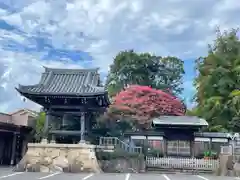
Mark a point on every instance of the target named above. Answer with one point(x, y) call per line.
point(75, 107)
point(65, 132)
point(4, 130)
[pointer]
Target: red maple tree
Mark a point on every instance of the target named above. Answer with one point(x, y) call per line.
point(142, 103)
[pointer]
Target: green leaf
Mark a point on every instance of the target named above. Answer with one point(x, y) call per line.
point(234, 93)
point(237, 69)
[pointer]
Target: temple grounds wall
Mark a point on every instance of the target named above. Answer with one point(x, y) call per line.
point(51, 157)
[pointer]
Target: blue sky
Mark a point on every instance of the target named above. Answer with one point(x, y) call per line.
point(89, 33)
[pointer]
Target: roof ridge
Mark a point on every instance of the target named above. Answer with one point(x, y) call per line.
point(23, 109)
point(66, 70)
point(66, 81)
point(5, 114)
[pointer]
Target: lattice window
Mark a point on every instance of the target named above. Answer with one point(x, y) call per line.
point(156, 144)
point(178, 147)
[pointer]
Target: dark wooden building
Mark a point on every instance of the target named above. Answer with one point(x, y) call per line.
point(180, 136)
point(15, 132)
point(70, 98)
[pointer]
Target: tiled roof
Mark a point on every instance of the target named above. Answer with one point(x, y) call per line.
point(212, 134)
point(66, 82)
point(180, 121)
point(31, 112)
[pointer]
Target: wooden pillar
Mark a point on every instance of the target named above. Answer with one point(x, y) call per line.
point(13, 152)
point(82, 131)
point(165, 144)
point(192, 148)
point(87, 123)
point(1, 148)
point(24, 146)
point(64, 120)
point(210, 145)
point(46, 126)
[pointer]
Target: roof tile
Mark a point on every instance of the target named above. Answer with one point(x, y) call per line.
point(67, 81)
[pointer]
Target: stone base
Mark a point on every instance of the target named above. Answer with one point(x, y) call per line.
point(52, 157)
point(44, 141)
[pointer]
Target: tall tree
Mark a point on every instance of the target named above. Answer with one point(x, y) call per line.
point(39, 129)
point(218, 83)
point(145, 69)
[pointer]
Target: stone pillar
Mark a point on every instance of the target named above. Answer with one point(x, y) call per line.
point(14, 142)
point(82, 131)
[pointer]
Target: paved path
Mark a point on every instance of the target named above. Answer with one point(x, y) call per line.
point(64, 176)
point(9, 175)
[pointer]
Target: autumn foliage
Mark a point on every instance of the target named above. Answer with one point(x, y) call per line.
point(142, 103)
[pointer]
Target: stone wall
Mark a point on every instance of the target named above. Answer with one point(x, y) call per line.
point(51, 157)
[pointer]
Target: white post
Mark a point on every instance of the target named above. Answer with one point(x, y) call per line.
point(233, 137)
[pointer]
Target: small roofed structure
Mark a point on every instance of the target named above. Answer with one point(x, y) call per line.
point(179, 122)
point(180, 136)
point(68, 95)
point(179, 130)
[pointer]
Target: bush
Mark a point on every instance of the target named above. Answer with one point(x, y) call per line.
point(154, 153)
point(117, 154)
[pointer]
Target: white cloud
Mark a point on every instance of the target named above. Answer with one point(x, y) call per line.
point(21, 68)
point(102, 28)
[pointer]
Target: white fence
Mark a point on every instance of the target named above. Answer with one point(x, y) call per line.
point(182, 163)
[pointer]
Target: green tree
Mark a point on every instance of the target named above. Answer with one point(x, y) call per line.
point(39, 129)
point(193, 112)
point(218, 83)
point(145, 69)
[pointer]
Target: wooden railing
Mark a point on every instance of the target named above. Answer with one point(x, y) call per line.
point(119, 144)
point(226, 150)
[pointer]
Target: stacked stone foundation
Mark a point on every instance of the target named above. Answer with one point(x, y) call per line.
point(52, 157)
